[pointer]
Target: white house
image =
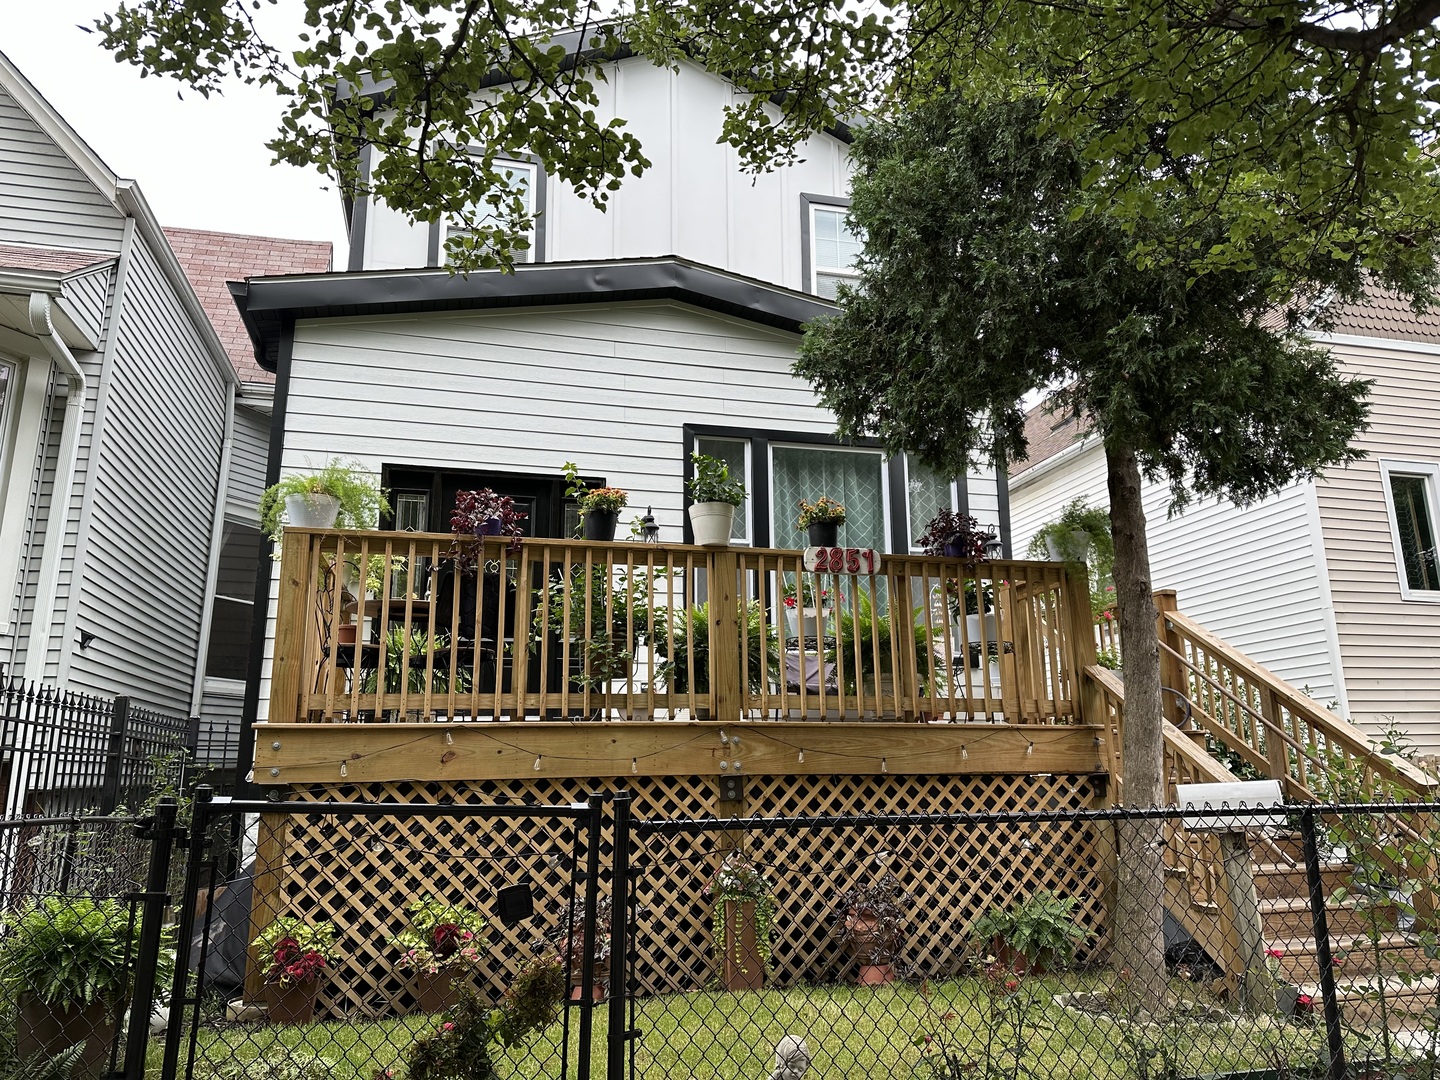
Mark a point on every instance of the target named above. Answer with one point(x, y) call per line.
point(666, 325)
point(1332, 583)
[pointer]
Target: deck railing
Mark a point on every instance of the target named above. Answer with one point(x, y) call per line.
point(376, 626)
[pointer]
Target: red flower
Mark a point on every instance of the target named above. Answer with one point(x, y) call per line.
point(1275, 954)
point(1011, 985)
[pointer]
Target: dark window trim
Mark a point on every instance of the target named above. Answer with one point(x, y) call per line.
point(537, 249)
point(808, 200)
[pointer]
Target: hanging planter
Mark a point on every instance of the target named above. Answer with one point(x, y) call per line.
point(340, 494)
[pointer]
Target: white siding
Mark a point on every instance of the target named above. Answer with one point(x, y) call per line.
point(1251, 576)
point(44, 196)
point(152, 481)
point(1391, 646)
point(694, 201)
point(607, 386)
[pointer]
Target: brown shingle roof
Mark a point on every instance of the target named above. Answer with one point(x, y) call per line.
point(1047, 433)
point(211, 259)
point(48, 260)
point(1386, 315)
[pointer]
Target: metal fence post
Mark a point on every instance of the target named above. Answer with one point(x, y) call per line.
point(1334, 1035)
point(593, 823)
point(194, 868)
point(115, 756)
point(162, 832)
point(619, 1034)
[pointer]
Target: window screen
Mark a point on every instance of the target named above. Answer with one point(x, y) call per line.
point(1415, 522)
point(854, 478)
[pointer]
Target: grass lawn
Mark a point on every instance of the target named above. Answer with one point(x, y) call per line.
point(850, 1031)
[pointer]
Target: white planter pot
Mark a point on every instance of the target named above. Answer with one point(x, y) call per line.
point(1072, 548)
point(972, 632)
point(312, 511)
point(803, 623)
point(710, 522)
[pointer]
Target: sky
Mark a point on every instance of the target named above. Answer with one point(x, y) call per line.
point(202, 164)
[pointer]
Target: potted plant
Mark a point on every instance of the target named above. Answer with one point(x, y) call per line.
point(691, 633)
point(954, 536)
point(64, 963)
point(806, 606)
point(743, 914)
point(870, 924)
point(442, 940)
point(569, 942)
point(599, 507)
point(1034, 935)
point(341, 495)
point(1079, 532)
point(296, 954)
point(714, 496)
point(821, 521)
point(873, 632)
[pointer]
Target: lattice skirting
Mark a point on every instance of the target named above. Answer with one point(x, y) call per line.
point(361, 873)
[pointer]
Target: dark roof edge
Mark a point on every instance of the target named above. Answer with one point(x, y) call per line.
point(267, 303)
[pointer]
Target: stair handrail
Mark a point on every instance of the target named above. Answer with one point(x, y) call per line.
point(1339, 734)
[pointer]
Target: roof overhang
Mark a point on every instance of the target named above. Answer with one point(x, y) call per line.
point(267, 304)
point(16, 288)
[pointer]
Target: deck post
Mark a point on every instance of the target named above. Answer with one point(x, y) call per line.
point(1257, 989)
point(287, 669)
point(724, 635)
point(1172, 673)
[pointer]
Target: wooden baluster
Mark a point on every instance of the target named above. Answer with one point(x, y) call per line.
point(383, 660)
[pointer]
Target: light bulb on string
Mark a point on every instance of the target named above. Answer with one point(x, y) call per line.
point(634, 765)
point(537, 763)
point(344, 770)
point(1029, 749)
point(884, 765)
point(800, 757)
point(964, 754)
point(449, 737)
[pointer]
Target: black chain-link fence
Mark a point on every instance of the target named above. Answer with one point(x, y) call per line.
point(478, 940)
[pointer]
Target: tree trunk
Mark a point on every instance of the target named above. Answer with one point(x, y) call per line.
point(1138, 933)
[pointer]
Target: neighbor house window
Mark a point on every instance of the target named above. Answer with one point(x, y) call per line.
point(853, 477)
point(522, 175)
point(736, 454)
point(833, 249)
point(229, 653)
point(1411, 494)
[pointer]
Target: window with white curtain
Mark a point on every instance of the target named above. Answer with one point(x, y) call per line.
point(520, 174)
point(833, 250)
point(926, 494)
point(736, 454)
point(853, 477)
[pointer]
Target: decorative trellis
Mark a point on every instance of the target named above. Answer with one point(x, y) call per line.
point(361, 873)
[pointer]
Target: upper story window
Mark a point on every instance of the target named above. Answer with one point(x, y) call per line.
point(1412, 495)
point(850, 476)
point(529, 180)
point(926, 494)
point(830, 248)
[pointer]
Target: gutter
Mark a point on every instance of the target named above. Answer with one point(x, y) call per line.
point(42, 325)
point(217, 540)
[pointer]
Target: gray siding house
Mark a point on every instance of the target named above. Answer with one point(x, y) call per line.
point(129, 445)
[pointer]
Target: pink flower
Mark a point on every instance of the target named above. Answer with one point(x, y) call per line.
point(1275, 954)
point(447, 1026)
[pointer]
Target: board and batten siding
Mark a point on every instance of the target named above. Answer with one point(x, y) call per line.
point(1391, 646)
point(152, 484)
point(1253, 576)
point(45, 198)
point(608, 386)
point(694, 201)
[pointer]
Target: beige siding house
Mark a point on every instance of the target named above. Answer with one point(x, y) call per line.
point(1333, 583)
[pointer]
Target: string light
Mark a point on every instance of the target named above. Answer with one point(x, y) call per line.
point(724, 739)
point(537, 762)
point(800, 757)
point(634, 765)
point(884, 766)
point(1029, 749)
point(964, 754)
point(344, 771)
point(449, 737)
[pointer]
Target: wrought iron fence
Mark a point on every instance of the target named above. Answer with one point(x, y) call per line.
point(982, 945)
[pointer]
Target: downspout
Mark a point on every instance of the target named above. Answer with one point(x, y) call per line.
point(217, 539)
point(42, 325)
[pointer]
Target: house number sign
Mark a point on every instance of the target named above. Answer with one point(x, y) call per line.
point(838, 560)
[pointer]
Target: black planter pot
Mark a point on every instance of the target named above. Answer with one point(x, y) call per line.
point(824, 533)
point(600, 524)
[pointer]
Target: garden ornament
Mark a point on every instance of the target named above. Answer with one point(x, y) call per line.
point(792, 1059)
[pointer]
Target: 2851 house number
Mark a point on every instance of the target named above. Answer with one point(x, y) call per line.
point(838, 560)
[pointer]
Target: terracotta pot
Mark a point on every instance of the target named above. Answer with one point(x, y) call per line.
point(292, 1004)
point(1018, 962)
point(597, 992)
point(346, 634)
point(435, 993)
point(869, 944)
point(42, 1031)
point(876, 974)
point(742, 967)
